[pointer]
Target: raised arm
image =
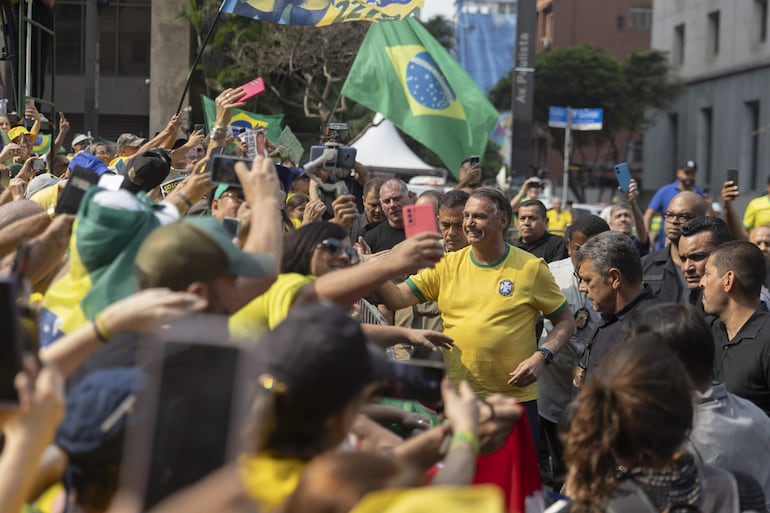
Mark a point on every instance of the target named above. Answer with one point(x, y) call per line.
point(734, 223)
point(348, 285)
point(641, 229)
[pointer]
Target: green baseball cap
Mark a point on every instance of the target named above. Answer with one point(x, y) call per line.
point(195, 249)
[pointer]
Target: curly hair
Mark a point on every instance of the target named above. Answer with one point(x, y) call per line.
point(636, 409)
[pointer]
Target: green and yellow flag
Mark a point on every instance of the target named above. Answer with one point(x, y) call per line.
point(42, 144)
point(244, 119)
point(402, 72)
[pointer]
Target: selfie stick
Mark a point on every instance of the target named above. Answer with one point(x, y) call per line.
point(198, 57)
point(339, 188)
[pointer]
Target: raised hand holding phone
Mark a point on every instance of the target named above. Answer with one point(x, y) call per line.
point(624, 176)
point(419, 219)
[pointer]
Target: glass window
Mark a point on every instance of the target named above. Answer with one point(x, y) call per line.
point(70, 38)
point(641, 17)
point(134, 41)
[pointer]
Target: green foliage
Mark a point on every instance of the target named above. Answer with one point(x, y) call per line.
point(441, 29)
point(587, 76)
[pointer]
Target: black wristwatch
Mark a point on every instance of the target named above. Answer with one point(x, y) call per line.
point(547, 353)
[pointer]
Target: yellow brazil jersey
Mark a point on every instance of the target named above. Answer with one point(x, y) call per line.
point(757, 212)
point(268, 310)
point(558, 221)
point(490, 311)
point(269, 481)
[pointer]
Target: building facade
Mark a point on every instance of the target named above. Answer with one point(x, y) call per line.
point(619, 27)
point(720, 49)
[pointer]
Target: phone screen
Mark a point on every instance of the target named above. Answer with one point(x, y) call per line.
point(187, 420)
point(415, 380)
point(223, 169)
point(10, 341)
point(232, 225)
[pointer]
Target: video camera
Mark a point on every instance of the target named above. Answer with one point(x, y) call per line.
point(344, 156)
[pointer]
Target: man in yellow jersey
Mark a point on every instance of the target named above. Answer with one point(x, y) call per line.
point(490, 295)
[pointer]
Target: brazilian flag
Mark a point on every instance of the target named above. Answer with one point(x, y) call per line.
point(104, 243)
point(402, 72)
point(42, 144)
point(244, 119)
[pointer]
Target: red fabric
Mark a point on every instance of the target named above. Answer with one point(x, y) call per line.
point(513, 468)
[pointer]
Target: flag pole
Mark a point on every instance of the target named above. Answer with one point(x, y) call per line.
point(198, 57)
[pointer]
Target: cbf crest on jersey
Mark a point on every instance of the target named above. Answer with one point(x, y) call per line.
point(505, 288)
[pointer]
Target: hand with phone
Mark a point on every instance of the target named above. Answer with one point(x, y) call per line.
point(9, 151)
point(252, 89)
point(227, 100)
point(419, 218)
point(623, 175)
point(314, 211)
point(730, 190)
point(417, 252)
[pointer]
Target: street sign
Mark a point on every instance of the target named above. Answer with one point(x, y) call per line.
point(582, 119)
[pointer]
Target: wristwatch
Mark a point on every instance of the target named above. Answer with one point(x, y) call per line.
point(547, 353)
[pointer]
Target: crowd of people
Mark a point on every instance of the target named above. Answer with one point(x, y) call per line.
point(588, 367)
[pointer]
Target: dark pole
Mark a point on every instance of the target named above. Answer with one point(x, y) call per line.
point(523, 91)
point(198, 57)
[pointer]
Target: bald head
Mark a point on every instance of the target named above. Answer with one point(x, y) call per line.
point(20, 209)
point(683, 207)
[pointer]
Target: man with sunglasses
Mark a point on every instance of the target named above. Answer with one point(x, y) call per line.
point(685, 181)
point(662, 270)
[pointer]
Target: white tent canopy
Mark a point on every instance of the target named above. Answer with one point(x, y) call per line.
point(380, 148)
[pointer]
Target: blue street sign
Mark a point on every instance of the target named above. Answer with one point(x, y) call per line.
point(582, 119)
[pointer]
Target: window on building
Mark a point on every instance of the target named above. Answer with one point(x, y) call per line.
point(641, 17)
point(678, 50)
point(760, 20)
point(752, 120)
point(620, 22)
point(706, 141)
point(714, 32)
point(673, 128)
point(124, 37)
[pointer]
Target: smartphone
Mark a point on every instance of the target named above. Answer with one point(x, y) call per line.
point(79, 182)
point(29, 104)
point(223, 169)
point(418, 380)
point(10, 342)
point(419, 219)
point(38, 165)
point(191, 413)
point(252, 89)
point(198, 126)
point(474, 160)
point(232, 225)
point(623, 175)
point(732, 176)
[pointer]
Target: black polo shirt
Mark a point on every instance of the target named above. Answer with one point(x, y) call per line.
point(549, 247)
point(743, 363)
point(610, 330)
point(663, 276)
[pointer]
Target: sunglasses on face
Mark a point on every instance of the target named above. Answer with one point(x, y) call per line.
point(335, 246)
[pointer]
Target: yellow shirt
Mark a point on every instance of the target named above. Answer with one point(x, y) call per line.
point(268, 310)
point(558, 221)
point(47, 198)
point(490, 311)
point(269, 481)
point(757, 212)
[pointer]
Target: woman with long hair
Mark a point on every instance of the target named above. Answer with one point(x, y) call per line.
point(626, 437)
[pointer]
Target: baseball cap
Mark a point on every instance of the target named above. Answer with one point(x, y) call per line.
point(537, 182)
point(317, 360)
point(88, 161)
point(80, 138)
point(130, 140)
point(146, 170)
point(195, 249)
point(16, 132)
point(41, 182)
point(688, 165)
point(99, 407)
